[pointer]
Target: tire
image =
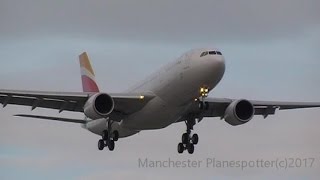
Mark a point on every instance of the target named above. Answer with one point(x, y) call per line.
point(115, 135)
point(101, 144)
point(111, 145)
point(185, 138)
point(190, 148)
point(180, 148)
point(195, 139)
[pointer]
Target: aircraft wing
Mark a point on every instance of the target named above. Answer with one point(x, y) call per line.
point(218, 106)
point(125, 103)
point(80, 121)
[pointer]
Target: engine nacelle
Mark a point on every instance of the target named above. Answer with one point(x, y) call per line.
point(239, 112)
point(98, 106)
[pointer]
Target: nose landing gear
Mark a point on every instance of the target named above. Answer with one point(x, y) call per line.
point(203, 92)
point(188, 141)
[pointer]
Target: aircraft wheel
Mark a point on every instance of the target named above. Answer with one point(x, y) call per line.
point(180, 148)
point(111, 145)
point(185, 138)
point(190, 148)
point(101, 144)
point(195, 139)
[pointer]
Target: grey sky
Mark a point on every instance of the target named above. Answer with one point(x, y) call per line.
point(271, 50)
point(167, 20)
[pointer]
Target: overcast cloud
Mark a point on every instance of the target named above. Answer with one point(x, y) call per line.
point(167, 21)
point(272, 53)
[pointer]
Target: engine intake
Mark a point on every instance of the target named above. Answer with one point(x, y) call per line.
point(98, 106)
point(239, 112)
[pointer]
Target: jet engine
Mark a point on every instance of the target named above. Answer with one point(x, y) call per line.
point(239, 112)
point(99, 105)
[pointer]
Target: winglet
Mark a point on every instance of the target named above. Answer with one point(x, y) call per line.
point(87, 74)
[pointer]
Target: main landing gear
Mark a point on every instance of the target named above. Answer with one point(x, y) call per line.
point(188, 141)
point(109, 138)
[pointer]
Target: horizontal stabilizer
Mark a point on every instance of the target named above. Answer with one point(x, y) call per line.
point(52, 118)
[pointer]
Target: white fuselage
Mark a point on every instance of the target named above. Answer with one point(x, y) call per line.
point(175, 87)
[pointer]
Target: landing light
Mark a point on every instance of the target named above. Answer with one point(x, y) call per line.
point(141, 97)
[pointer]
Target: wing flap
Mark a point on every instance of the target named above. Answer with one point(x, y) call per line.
point(36, 101)
point(75, 96)
point(285, 105)
point(52, 118)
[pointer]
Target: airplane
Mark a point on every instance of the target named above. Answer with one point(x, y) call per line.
point(178, 92)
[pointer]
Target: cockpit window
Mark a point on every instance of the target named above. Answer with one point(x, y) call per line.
point(212, 52)
point(204, 54)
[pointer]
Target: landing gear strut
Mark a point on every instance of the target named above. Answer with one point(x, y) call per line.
point(203, 93)
point(203, 105)
point(108, 138)
point(188, 141)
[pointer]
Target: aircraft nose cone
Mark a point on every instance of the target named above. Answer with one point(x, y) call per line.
point(220, 61)
point(212, 71)
point(218, 64)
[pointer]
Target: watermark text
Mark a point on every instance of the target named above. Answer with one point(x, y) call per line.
point(277, 163)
